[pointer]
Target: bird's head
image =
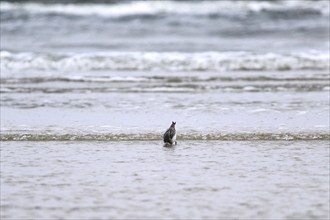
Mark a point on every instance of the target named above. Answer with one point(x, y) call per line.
point(173, 124)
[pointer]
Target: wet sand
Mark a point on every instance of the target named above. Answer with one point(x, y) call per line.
point(194, 180)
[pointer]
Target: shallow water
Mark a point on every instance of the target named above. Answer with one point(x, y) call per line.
point(87, 90)
point(134, 102)
point(82, 69)
point(195, 180)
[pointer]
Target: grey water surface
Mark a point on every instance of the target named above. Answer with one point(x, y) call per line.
point(142, 180)
point(87, 89)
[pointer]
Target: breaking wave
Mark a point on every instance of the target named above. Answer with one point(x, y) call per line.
point(199, 8)
point(158, 137)
point(168, 61)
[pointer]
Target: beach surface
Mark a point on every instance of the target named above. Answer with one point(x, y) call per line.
point(88, 89)
point(143, 180)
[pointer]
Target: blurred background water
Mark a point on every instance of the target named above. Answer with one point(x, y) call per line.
point(121, 71)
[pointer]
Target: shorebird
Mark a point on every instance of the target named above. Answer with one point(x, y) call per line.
point(170, 135)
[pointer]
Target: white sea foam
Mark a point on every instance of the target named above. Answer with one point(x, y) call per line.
point(168, 7)
point(106, 79)
point(168, 61)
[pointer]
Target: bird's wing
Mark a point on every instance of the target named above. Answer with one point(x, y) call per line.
point(168, 136)
point(165, 134)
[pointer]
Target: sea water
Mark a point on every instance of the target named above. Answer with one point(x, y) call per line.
point(143, 180)
point(89, 88)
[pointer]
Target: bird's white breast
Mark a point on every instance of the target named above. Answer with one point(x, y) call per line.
point(174, 138)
